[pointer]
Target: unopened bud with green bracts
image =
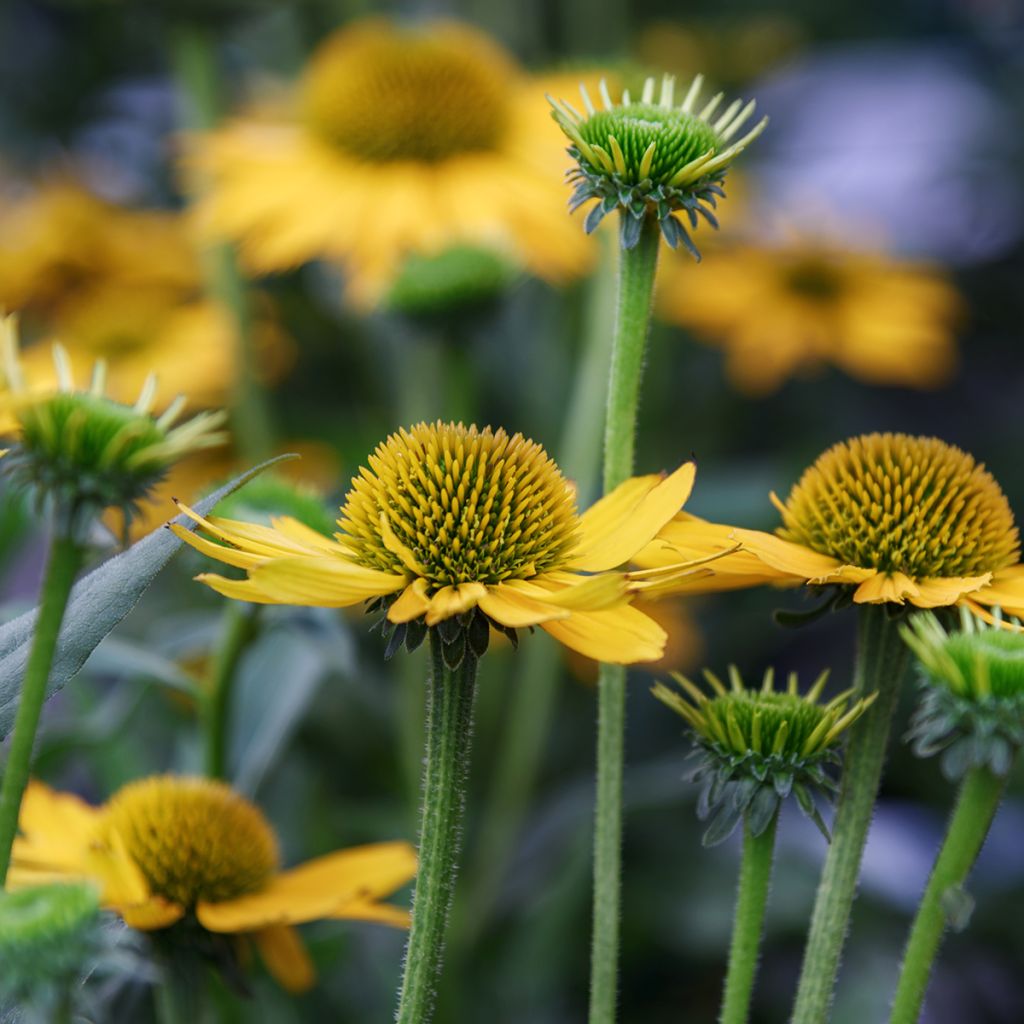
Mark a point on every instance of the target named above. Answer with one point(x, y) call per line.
point(972, 692)
point(757, 746)
point(84, 452)
point(653, 158)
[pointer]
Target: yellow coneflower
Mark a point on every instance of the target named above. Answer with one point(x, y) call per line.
point(169, 848)
point(447, 519)
point(395, 142)
point(894, 518)
point(792, 309)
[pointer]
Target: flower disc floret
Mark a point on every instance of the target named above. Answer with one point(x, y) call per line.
point(453, 504)
point(385, 96)
point(756, 746)
point(972, 692)
point(897, 503)
point(193, 839)
point(653, 158)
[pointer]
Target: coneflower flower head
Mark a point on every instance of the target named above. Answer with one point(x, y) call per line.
point(757, 746)
point(972, 693)
point(653, 157)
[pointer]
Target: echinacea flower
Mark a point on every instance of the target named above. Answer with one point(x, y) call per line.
point(449, 520)
point(886, 518)
point(170, 849)
point(396, 142)
point(787, 309)
point(650, 157)
point(758, 745)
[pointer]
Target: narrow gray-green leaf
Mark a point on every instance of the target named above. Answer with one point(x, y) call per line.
point(99, 601)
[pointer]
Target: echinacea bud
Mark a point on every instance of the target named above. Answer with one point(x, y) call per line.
point(756, 746)
point(653, 157)
point(972, 693)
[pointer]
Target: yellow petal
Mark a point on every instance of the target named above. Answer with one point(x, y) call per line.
point(316, 889)
point(566, 590)
point(221, 552)
point(618, 635)
point(786, 557)
point(238, 590)
point(615, 528)
point(1005, 590)
point(885, 587)
point(449, 601)
point(285, 956)
point(934, 592)
point(322, 582)
point(154, 914)
point(515, 610)
point(382, 913)
point(411, 604)
point(303, 534)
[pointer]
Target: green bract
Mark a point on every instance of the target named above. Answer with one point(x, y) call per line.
point(755, 747)
point(653, 157)
point(972, 699)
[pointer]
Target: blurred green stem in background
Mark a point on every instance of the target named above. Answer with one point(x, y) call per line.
point(527, 725)
point(880, 665)
point(450, 697)
point(195, 65)
point(238, 629)
point(748, 924)
point(637, 267)
point(975, 808)
point(65, 559)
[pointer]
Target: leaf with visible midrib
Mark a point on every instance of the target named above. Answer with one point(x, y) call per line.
point(99, 601)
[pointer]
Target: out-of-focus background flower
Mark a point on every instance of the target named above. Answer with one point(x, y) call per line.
point(868, 275)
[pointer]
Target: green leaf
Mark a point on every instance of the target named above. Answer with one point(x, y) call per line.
point(99, 601)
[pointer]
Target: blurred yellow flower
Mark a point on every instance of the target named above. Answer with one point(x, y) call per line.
point(124, 286)
point(395, 142)
point(893, 519)
point(169, 847)
point(792, 309)
point(450, 519)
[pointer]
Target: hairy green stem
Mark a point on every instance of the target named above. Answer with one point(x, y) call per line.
point(975, 808)
point(237, 631)
point(65, 559)
point(449, 728)
point(751, 901)
point(637, 268)
point(195, 64)
point(880, 665)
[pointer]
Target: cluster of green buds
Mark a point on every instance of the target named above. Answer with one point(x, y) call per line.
point(972, 692)
point(651, 157)
point(49, 935)
point(84, 452)
point(755, 747)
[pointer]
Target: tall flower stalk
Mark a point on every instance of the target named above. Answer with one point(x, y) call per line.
point(650, 160)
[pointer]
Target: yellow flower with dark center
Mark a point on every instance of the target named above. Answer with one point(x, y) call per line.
point(168, 847)
point(897, 518)
point(782, 311)
point(446, 519)
point(396, 143)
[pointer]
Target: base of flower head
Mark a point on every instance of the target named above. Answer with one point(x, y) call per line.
point(646, 198)
point(187, 950)
point(468, 633)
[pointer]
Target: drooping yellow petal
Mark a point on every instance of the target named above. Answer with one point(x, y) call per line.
point(619, 635)
point(615, 528)
point(285, 956)
point(152, 915)
point(411, 603)
point(938, 593)
point(511, 608)
point(316, 889)
point(322, 582)
point(302, 534)
point(239, 590)
point(885, 587)
point(786, 557)
point(449, 601)
point(565, 590)
point(1006, 590)
point(221, 552)
point(382, 913)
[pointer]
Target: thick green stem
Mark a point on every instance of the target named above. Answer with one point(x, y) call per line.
point(449, 728)
point(66, 557)
point(880, 666)
point(195, 65)
point(238, 629)
point(751, 901)
point(975, 808)
point(637, 268)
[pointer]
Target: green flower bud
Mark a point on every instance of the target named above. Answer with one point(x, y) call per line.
point(85, 452)
point(972, 692)
point(756, 746)
point(48, 936)
point(653, 158)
